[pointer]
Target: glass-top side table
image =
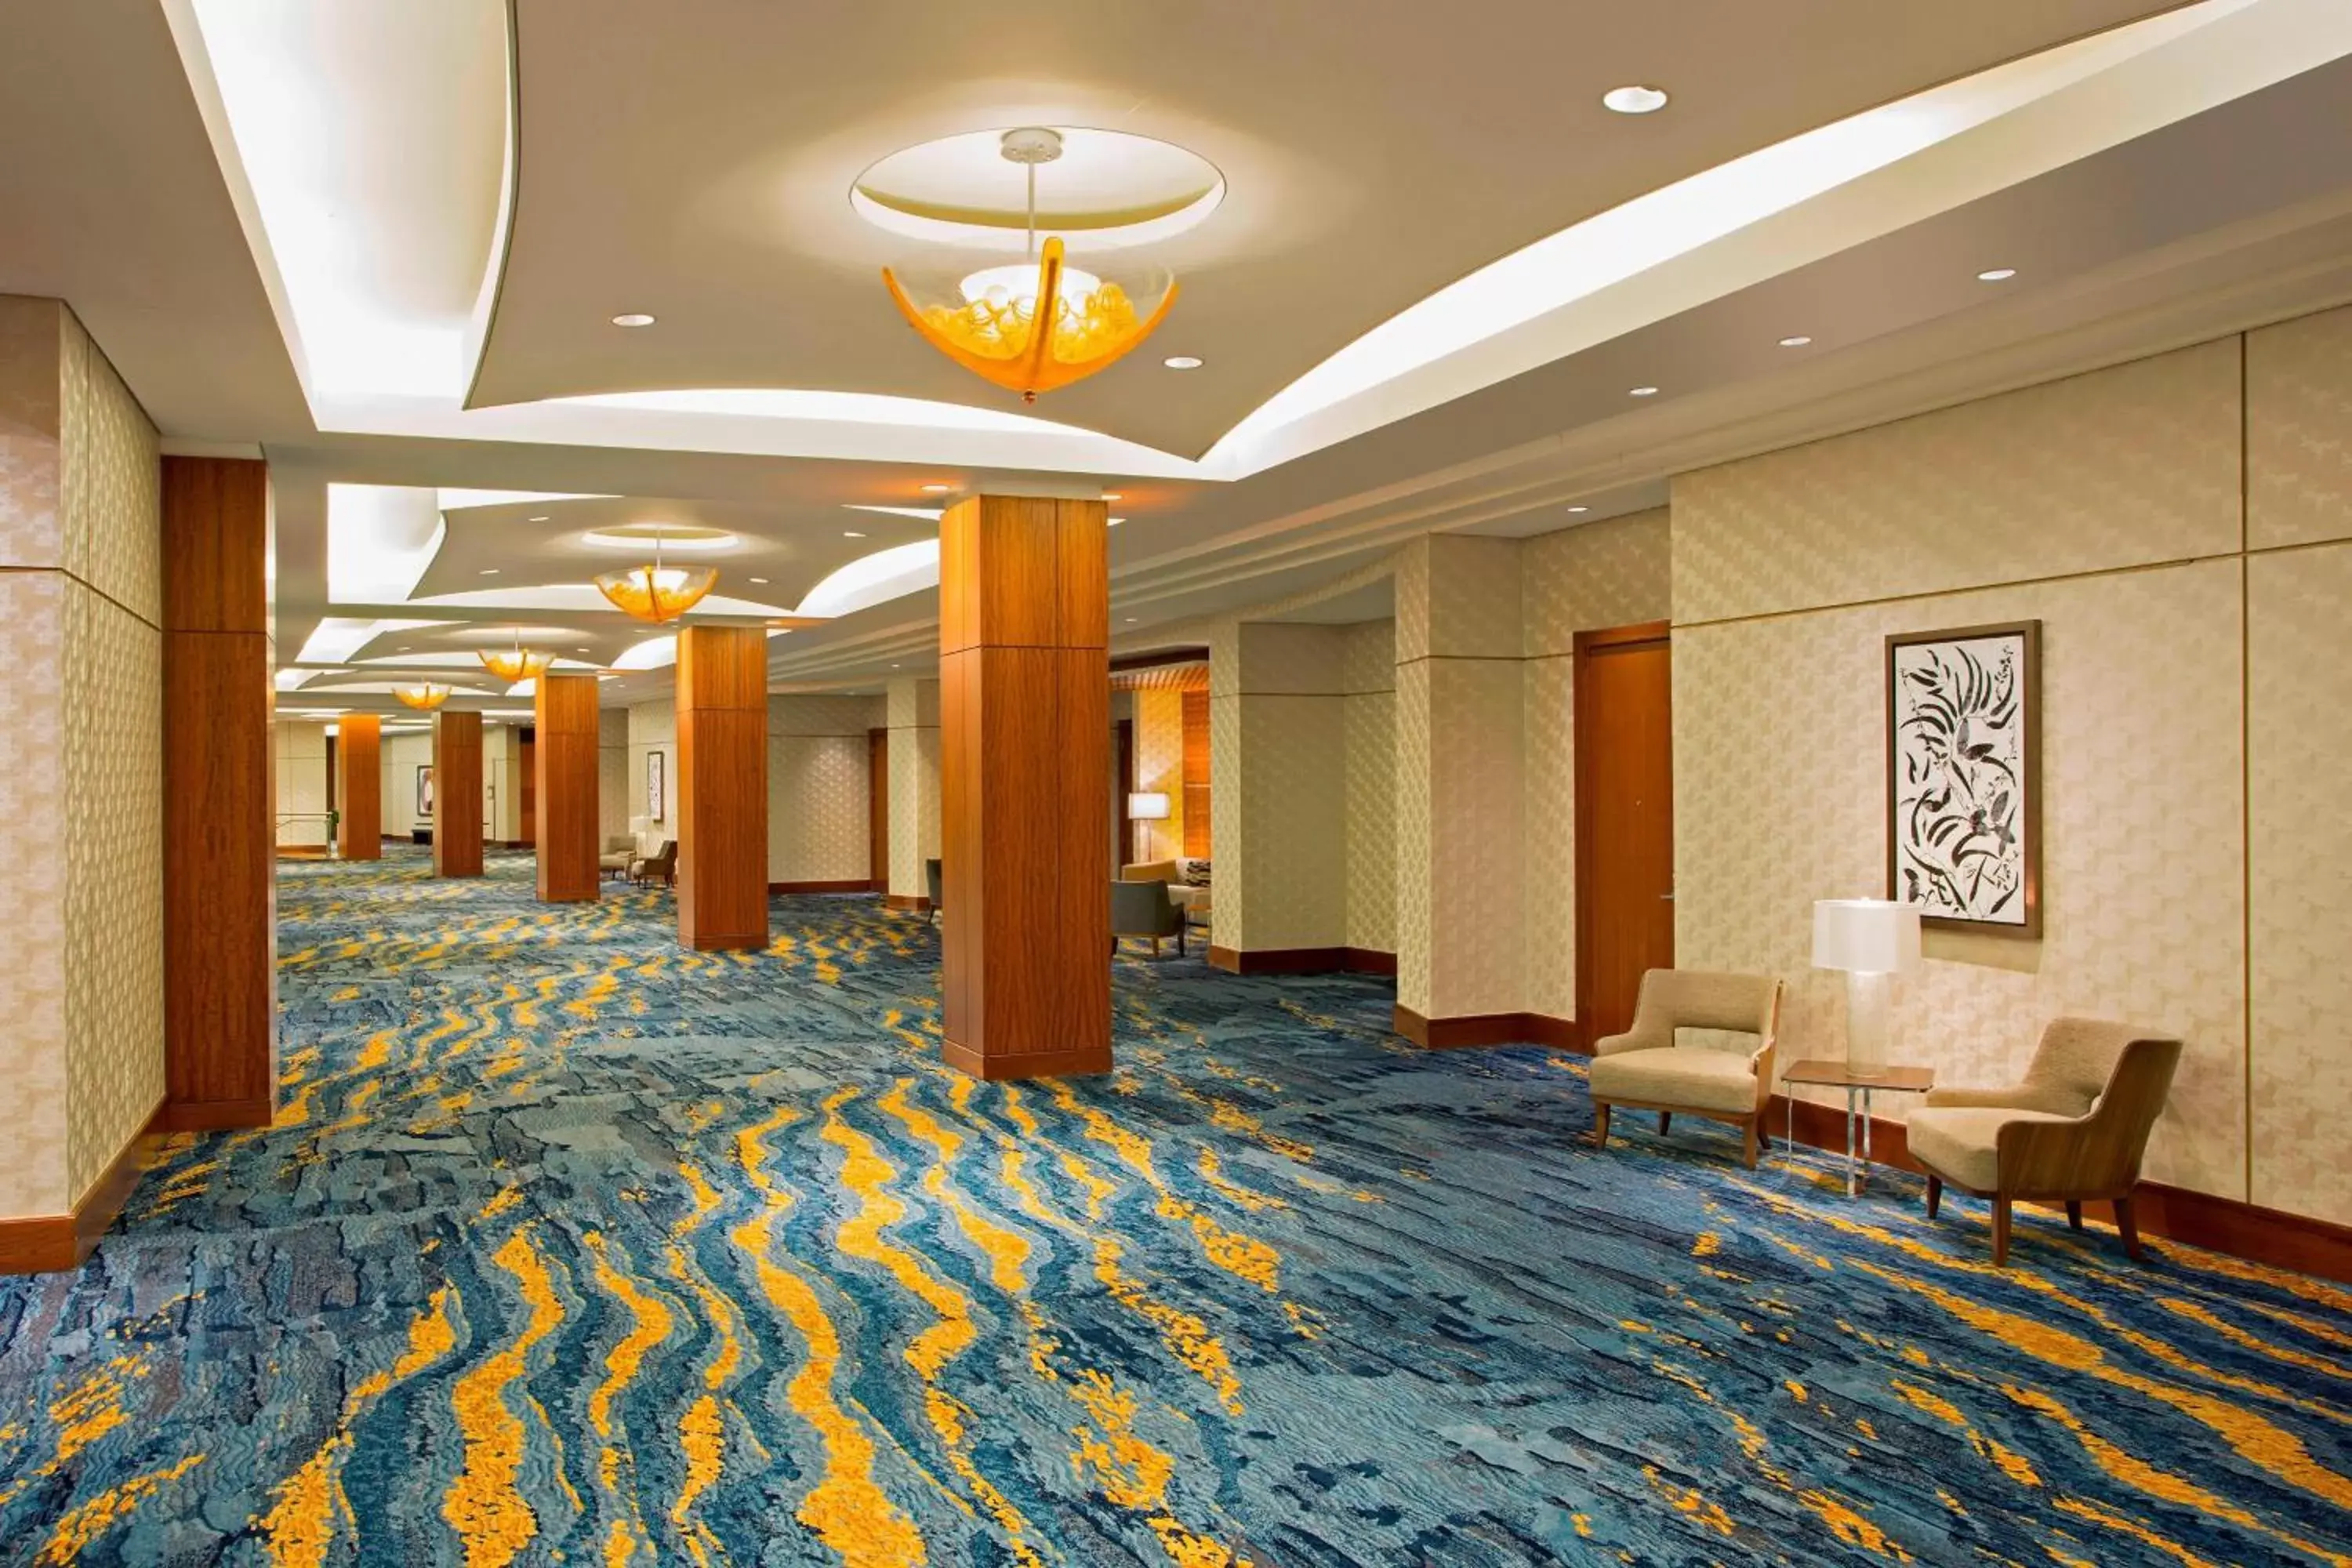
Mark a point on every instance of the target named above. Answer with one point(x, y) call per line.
point(1859, 1083)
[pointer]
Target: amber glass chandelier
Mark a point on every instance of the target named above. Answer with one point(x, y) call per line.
point(657, 593)
point(423, 695)
point(517, 663)
point(1036, 325)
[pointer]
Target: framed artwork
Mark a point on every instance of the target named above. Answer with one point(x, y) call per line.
point(423, 789)
point(1964, 777)
point(654, 802)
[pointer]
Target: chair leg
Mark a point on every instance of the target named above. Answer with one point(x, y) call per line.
point(2128, 1226)
point(2073, 1214)
point(1155, 947)
point(1666, 1120)
point(1935, 1194)
point(1748, 1144)
point(1601, 1123)
point(2001, 1233)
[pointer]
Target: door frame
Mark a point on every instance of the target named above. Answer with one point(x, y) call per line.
point(1585, 644)
point(1123, 743)
point(877, 809)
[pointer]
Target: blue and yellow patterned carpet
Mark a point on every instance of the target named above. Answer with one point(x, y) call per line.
point(570, 1247)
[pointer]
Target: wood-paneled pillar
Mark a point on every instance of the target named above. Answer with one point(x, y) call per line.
point(1025, 739)
point(722, 787)
point(359, 769)
point(456, 794)
point(564, 781)
point(220, 922)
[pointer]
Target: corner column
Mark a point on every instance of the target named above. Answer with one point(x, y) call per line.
point(722, 787)
point(220, 917)
point(914, 715)
point(1024, 752)
point(563, 768)
point(456, 794)
point(359, 752)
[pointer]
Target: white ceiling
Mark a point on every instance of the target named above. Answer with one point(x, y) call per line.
point(662, 169)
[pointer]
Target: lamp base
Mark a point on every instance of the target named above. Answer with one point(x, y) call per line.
point(1865, 1019)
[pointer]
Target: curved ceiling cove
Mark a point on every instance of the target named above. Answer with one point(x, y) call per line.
point(1364, 264)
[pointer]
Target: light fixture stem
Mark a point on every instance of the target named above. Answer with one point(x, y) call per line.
point(1033, 207)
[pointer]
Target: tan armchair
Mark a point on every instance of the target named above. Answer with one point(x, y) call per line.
point(2073, 1131)
point(1646, 1068)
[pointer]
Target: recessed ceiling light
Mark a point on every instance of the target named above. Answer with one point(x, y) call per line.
point(937, 489)
point(1112, 495)
point(1635, 99)
point(851, 533)
point(761, 581)
point(540, 517)
point(1799, 340)
point(1579, 508)
point(1183, 362)
point(490, 571)
point(584, 651)
point(1643, 391)
point(1130, 620)
point(1116, 520)
point(1996, 275)
point(633, 319)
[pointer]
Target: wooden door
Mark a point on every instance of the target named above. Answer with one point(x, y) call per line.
point(1125, 850)
point(1624, 822)
point(877, 809)
point(527, 765)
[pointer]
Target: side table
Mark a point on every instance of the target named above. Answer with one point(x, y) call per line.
point(1859, 1083)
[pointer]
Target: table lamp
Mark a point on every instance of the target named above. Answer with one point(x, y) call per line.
point(1871, 939)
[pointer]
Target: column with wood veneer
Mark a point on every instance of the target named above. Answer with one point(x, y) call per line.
point(456, 794)
point(563, 770)
point(359, 768)
point(1024, 737)
point(219, 797)
point(722, 787)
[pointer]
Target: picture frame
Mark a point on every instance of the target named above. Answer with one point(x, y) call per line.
point(1964, 777)
point(425, 789)
point(655, 806)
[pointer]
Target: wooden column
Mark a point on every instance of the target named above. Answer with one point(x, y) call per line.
point(1024, 737)
point(563, 783)
point(220, 960)
point(722, 787)
point(456, 794)
point(359, 750)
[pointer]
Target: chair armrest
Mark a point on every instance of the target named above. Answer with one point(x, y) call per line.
point(2019, 1097)
point(2050, 1158)
point(1629, 1041)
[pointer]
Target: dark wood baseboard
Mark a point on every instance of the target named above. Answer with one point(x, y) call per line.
point(906, 903)
point(1032, 1064)
point(855, 885)
point(2265, 1235)
point(1302, 961)
point(302, 851)
point(58, 1244)
point(216, 1115)
point(1487, 1029)
point(715, 942)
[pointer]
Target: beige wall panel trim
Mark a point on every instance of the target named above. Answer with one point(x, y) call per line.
point(818, 808)
point(2299, 864)
point(2133, 465)
point(2299, 431)
point(1778, 800)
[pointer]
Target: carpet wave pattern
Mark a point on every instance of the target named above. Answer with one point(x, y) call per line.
point(571, 1245)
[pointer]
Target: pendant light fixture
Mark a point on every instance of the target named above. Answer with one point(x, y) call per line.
point(424, 695)
point(518, 663)
point(1038, 324)
point(655, 593)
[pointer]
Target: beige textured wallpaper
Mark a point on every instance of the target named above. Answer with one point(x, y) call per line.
point(653, 727)
point(34, 944)
point(1160, 765)
point(611, 774)
point(1279, 773)
point(1368, 661)
point(817, 802)
point(2197, 870)
point(912, 708)
point(300, 748)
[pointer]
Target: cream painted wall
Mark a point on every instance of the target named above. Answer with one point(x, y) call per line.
point(2197, 871)
point(501, 783)
point(611, 774)
point(817, 778)
point(402, 754)
point(82, 799)
point(912, 709)
point(301, 763)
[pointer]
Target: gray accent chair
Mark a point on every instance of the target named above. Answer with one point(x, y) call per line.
point(934, 879)
point(1648, 1067)
point(1144, 909)
point(2073, 1131)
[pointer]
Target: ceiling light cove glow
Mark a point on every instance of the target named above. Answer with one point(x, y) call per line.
point(874, 579)
point(334, 640)
point(671, 535)
point(654, 653)
point(1635, 99)
point(380, 540)
point(459, 499)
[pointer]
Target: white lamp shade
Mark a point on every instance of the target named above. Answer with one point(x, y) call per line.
point(641, 824)
point(1147, 806)
point(1866, 936)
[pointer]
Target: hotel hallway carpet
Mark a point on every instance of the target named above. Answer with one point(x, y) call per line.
point(572, 1247)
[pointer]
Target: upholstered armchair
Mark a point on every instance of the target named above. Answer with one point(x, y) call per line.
point(1647, 1068)
point(1144, 909)
point(659, 866)
point(619, 851)
point(1187, 880)
point(2073, 1131)
point(934, 879)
